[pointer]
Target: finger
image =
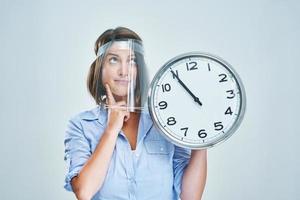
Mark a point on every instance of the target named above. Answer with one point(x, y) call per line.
point(120, 105)
point(110, 97)
point(127, 116)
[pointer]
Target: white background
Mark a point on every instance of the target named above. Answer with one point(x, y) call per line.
point(46, 50)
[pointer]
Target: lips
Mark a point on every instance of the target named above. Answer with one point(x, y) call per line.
point(122, 82)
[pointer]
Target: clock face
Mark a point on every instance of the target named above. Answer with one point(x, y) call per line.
point(196, 100)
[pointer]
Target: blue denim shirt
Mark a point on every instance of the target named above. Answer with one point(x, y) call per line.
point(153, 171)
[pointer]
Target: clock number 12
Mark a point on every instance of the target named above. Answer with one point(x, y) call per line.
point(191, 66)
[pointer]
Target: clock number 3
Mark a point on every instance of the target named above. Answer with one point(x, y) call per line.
point(232, 95)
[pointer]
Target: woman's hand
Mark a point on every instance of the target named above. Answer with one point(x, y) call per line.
point(117, 112)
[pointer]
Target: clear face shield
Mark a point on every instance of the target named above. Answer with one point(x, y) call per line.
point(123, 68)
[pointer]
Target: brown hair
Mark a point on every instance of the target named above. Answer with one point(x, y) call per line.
point(94, 79)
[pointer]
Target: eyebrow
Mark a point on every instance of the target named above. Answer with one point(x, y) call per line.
point(113, 54)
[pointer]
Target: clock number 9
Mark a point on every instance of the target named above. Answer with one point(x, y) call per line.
point(202, 133)
point(163, 105)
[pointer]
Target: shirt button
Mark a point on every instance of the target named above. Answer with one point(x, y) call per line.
point(161, 148)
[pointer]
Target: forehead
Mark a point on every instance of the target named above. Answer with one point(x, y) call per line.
point(125, 45)
point(121, 47)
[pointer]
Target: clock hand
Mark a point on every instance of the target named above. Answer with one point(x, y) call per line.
point(196, 99)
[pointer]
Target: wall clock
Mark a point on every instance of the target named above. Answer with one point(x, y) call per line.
point(197, 100)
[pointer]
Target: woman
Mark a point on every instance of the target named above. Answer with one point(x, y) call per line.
point(113, 151)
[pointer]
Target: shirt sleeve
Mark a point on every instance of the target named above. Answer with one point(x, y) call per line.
point(181, 159)
point(77, 150)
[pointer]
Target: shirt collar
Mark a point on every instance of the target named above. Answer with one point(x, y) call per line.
point(98, 113)
point(145, 125)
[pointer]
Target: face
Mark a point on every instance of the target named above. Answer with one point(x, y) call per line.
point(118, 69)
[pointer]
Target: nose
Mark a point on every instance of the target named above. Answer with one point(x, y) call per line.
point(124, 68)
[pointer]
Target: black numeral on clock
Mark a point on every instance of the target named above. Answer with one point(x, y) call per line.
point(166, 87)
point(202, 133)
point(223, 78)
point(228, 111)
point(191, 66)
point(185, 129)
point(218, 126)
point(231, 94)
point(171, 121)
point(176, 72)
point(208, 66)
point(163, 105)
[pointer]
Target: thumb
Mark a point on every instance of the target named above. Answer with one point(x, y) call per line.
point(127, 116)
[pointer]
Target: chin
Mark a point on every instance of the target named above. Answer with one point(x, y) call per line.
point(120, 95)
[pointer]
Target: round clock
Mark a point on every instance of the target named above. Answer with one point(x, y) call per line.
point(196, 100)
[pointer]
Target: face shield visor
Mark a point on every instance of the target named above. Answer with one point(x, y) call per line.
point(123, 68)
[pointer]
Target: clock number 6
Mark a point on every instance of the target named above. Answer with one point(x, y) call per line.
point(202, 133)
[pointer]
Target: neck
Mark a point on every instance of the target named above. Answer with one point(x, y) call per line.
point(133, 119)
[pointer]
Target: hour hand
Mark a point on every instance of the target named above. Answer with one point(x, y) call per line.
point(196, 99)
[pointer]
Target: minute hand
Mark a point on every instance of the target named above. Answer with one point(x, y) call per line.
point(196, 99)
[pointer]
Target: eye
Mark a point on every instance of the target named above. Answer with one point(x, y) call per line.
point(132, 60)
point(113, 60)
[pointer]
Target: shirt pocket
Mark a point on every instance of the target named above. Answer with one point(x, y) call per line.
point(157, 147)
point(159, 156)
